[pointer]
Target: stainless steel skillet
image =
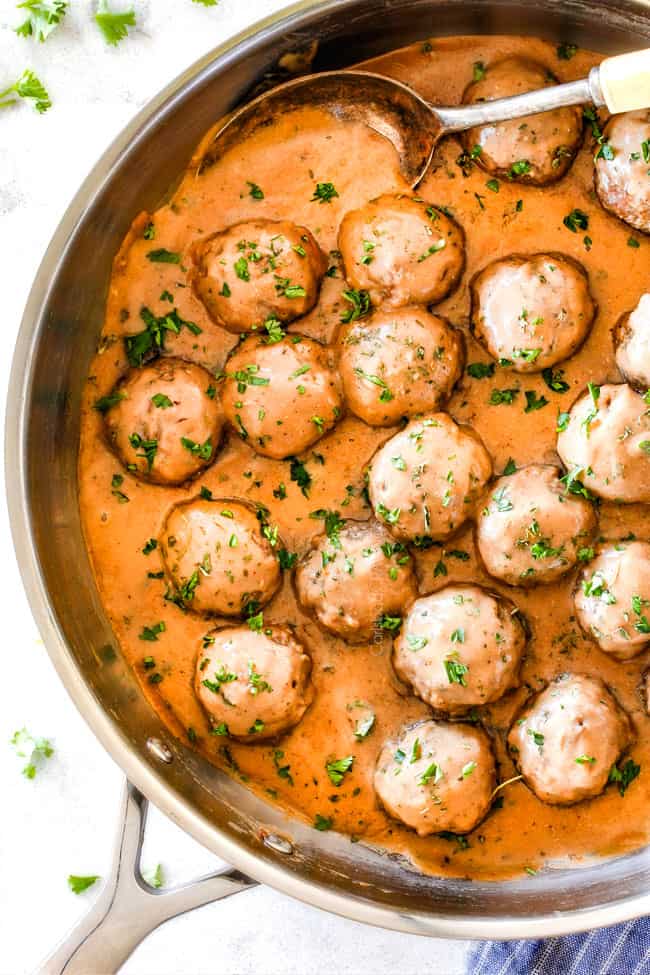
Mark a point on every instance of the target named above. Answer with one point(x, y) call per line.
point(58, 336)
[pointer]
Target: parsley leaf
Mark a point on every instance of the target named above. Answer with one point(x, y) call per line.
point(35, 750)
point(114, 25)
point(78, 884)
point(43, 16)
point(338, 767)
point(30, 87)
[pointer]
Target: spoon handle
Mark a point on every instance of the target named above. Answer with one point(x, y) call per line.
point(580, 92)
point(625, 81)
point(620, 83)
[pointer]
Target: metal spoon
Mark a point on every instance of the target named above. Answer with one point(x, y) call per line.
point(620, 83)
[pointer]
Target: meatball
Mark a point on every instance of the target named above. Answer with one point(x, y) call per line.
point(402, 251)
point(423, 482)
point(217, 557)
point(459, 648)
point(258, 270)
point(530, 530)
point(605, 441)
point(538, 149)
point(632, 343)
point(253, 685)
point(356, 578)
point(437, 777)
point(531, 311)
point(164, 421)
point(281, 397)
point(621, 172)
point(567, 739)
point(612, 599)
point(398, 363)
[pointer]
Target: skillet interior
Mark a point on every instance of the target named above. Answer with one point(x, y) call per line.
point(58, 337)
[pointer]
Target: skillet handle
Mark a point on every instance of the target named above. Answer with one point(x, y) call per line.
point(128, 909)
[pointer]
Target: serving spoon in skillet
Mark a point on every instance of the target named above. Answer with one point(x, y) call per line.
point(620, 83)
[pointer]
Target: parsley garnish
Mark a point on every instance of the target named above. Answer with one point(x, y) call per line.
point(300, 475)
point(323, 822)
point(204, 451)
point(162, 256)
point(35, 750)
point(338, 768)
point(480, 370)
point(43, 16)
point(624, 776)
point(324, 193)
point(533, 402)
point(555, 381)
point(566, 51)
point(576, 220)
point(113, 25)
point(78, 884)
point(360, 305)
point(104, 403)
point(30, 87)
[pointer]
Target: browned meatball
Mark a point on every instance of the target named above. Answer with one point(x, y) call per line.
point(253, 685)
point(622, 167)
point(531, 311)
point(402, 251)
point(531, 530)
point(460, 648)
point(217, 557)
point(281, 397)
point(538, 149)
point(164, 421)
point(605, 442)
point(398, 363)
point(612, 599)
point(437, 776)
point(258, 270)
point(632, 344)
point(424, 482)
point(355, 579)
point(568, 738)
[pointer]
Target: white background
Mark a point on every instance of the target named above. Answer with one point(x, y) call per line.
point(63, 821)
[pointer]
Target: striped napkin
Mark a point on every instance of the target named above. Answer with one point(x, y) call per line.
point(623, 949)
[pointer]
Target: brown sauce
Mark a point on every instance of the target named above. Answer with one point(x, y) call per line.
point(286, 160)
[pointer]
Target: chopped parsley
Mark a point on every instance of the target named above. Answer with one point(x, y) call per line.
point(162, 256)
point(254, 191)
point(554, 380)
point(150, 633)
point(105, 403)
point(624, 776)
point(29, 87)
point(78, 884)
point(35, 750)
point(43, 17)
point(323, 823)
point(338, 768)
point(113, 25)
point(300, 475)
point(161, 401)
point(576, 220)
point(533, 402)
point(360, 305)
point(324, 193)
point(480, 370)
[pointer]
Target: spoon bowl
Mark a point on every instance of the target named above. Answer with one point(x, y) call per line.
point(412, 124)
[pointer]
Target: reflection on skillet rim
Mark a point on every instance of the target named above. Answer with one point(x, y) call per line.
point(56, 342)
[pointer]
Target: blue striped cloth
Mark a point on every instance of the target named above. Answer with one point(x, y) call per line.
point(623, 949)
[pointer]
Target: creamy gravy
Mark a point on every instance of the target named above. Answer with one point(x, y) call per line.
point(286, 160)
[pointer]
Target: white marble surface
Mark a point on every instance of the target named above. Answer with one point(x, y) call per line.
point(63, 821)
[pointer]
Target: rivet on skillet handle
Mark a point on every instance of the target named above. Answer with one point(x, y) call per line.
point(128, 909)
